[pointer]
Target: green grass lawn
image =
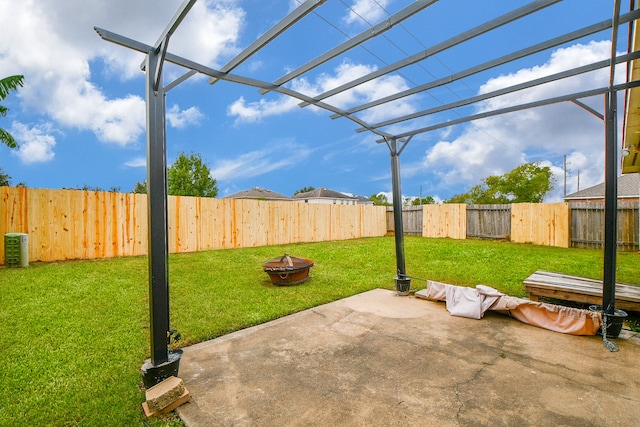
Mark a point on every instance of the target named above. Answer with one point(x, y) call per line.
point(75, 334)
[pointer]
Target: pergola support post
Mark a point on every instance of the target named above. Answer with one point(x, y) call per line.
point(610, 205)
point(160, 365)
point(402, 281)
point(610, 179)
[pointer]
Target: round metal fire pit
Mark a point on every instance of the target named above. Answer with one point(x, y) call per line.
point(287, 270)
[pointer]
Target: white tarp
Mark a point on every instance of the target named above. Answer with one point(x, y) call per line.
point(474, 302)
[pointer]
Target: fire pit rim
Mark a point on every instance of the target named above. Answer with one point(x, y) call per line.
point(288, 270)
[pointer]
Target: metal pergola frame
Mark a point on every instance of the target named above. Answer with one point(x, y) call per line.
point(157, 54)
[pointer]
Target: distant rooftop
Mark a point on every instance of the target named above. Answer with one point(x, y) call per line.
point(322, 193)
point(628, 187)
point(259, 194)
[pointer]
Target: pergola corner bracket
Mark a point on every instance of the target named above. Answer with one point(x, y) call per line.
point(162, 53)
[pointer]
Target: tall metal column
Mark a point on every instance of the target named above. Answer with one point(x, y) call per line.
point(610, 205)
point(157, 210)
point(403, 283)
point(610, 178)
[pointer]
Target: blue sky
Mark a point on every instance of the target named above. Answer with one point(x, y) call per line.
point(80, 119)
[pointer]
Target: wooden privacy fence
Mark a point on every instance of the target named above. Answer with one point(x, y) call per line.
point(539, 223)
point(442, 221)
point(411, 220)
point(579, 225)
point(75, 224)
point(489, 221)
point(587, 225)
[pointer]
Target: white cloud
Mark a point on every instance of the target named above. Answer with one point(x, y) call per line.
point(369, 10)
point(251, 112)
point(182, 118)
point(36, 143)
point(138, 162)
point(497, 145)
point(210, 32)
point(560, 60)
point(345, 72)
point(259, 162)
point(361, 94)
point(255, 66)
point(53, 45)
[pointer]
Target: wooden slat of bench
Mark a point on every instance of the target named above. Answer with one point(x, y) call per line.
point(579, 289)
point(547, 280)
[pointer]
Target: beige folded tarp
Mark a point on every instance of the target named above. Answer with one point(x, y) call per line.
point(474, 302)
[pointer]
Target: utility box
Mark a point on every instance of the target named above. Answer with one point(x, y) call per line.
point(16, 250)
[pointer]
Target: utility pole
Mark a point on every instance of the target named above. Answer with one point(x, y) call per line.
point(565, 174)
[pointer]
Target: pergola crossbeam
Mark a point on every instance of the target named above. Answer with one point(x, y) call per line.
point(523, 53)
point(296, 15)
point(507, 90)
point(440, 47)
point(519, 107)
point(370, 33)
point(180, 79)
point(588, 109)
point(194, 66)
point(175, 22)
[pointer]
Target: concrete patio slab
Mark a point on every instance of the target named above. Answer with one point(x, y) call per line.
point(377, 359)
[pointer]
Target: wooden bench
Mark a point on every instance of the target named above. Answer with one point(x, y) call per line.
point(579, 289)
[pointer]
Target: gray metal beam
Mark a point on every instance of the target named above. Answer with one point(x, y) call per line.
point(610, 180)
point(158, 241)
point(369, 33)
point(403, 282)
point(157, 75)
point(179, 80)
point(507, 90)
point(175, 22)
point(588, 109)
point(163, 41)
point(112, 37)
point(467, 35)
point(297, 14)
point(575, 35)
point(191, 65)
point(610, 204)
point(519, 107)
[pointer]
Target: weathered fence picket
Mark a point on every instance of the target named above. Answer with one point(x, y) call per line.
point(489, 221)
point(587, 225)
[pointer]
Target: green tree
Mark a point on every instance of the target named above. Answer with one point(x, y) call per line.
point(189, 176)
point(87, 187)
point(380, 199)
point(5, 179)
point(140, 187)
point(7, 85)
point(304, 190)
point(529, 182)
point(424, 201)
